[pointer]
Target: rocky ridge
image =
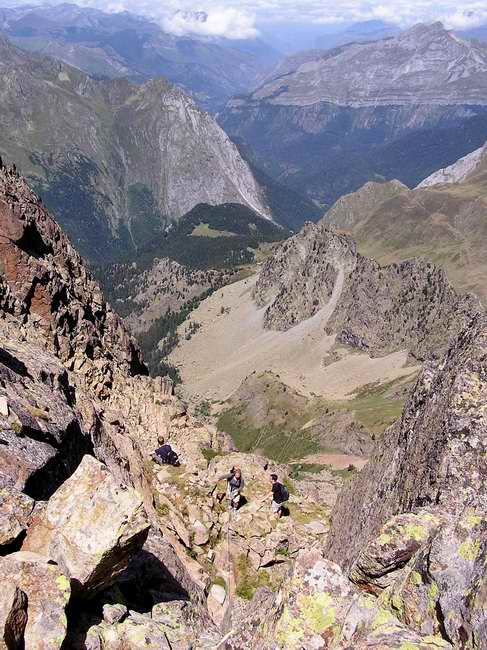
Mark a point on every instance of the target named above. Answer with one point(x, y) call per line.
point(165, 286)
point(353, 208)
point(115, 551)
point(441, 220)
point(72, 387)
point(410, 305)
point(121, 44)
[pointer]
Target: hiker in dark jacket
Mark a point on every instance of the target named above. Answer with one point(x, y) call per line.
point(235, 483)
point(280, 495)
point(165, 455)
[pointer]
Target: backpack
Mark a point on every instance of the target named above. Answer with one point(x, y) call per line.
point(284, 493)
point(172, 457)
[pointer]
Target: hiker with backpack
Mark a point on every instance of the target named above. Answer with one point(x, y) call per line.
point(165, 455)
point(235, 483)
point(280, 494)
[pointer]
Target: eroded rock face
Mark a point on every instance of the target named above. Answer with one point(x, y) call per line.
point(46, 287)
point(434, 455)
point(431, 462)
point(127, 177)
point(91, 527)
point(42, 435)
point(410, 305)
point(32, 607)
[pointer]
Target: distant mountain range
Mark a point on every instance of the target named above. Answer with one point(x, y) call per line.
point(111, 45)
point(326, 122)
point(116, 162)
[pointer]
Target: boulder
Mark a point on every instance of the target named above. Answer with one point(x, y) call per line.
point(91, 527)
point(216, 603)
point(114, 613)
point(201, 534)
point(32, 603)
point(137, 632)
point(442, 591)
point(15, 512)
point(399, 539)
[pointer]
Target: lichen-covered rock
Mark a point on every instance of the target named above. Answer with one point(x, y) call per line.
point(400, 538)
point(41, 610)
point(441, 589)
point(91, 527)
point(432, 462)
point(319, 608)
point(114, 613)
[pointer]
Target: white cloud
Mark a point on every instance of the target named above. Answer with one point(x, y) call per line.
point(462, 19)
point(242, 18)
point(218, 21)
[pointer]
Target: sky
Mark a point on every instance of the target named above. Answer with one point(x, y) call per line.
point(243, 19)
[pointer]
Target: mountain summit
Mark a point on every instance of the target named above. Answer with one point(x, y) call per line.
point(426, 64)
point(115, 161)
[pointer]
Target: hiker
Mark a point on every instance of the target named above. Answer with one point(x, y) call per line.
point(235, 484)
point(165, 455)
point(280, 494)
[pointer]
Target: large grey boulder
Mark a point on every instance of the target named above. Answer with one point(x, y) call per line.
point(91, 527)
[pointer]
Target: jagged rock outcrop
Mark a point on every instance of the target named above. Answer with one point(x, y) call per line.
point(42, 438)
point(434, 455)
point(149, 294)
point(300, 277)
point(45, 287)
point(404, 566)
point(131, 158)
point(410, 305)
point(73, 383)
